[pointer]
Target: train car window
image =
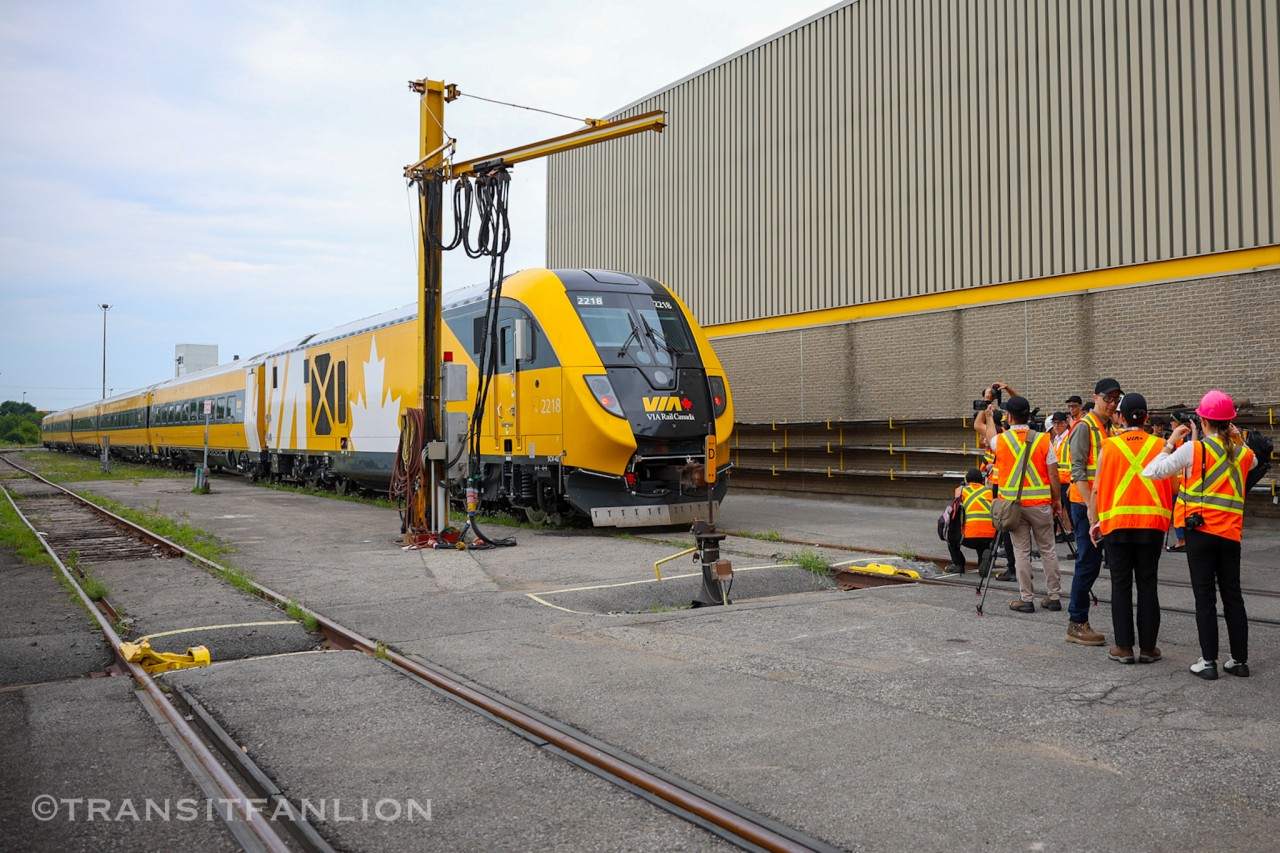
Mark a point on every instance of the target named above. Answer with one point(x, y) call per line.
point(477, 334)
point(231, 408)
point(322, 396)
point(273, 376)
point(342, 391)
point(505, 345)
point(222, 408)
point(306, 374)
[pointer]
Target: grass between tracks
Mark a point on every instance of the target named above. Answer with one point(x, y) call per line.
point(811, 562)
point(70, 468)
point(17, 537)
point(193, 539)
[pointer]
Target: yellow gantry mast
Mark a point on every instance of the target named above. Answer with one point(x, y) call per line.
point(428, 502)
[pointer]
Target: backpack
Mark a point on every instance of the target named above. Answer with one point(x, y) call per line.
point(951, 522)
point(1262, 447)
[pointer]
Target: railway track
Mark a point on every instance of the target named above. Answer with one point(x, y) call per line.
point(730, 821)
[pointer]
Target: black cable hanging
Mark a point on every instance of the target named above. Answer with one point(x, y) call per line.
point(484, 199)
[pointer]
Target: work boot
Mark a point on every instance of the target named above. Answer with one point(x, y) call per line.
point(1054, 604)
point(1080, 632)
point(1007, 575)
point(1149, 655)
point(1121, 654)
point(954, 569)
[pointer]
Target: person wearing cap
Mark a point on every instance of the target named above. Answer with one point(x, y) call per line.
point(975, 498)
point(991, 417)
point(1086, 438)
point(1075, 410)
point(1214, 468)
point(1029, 474)
point(1132, 515)
point(1059, 430)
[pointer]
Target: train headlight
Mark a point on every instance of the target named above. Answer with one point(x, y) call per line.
point(719, 395)
point(603, 391)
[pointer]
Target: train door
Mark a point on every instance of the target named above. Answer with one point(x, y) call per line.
point(504, 401)
point(253, 409)
point(327, 405)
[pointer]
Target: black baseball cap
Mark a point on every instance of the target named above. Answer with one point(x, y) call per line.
point(1059, 417)
point(1132, 402)
point(1106, 386)
point(974, 476)
point(1017, 406)
point(1074, 398)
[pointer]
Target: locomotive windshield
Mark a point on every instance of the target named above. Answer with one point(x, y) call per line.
point(634, 328)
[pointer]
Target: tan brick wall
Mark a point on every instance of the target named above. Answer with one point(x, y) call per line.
point(1171, 342)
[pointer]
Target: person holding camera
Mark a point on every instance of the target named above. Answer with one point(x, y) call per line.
point(1214, 468)
point(989, 416)
point(1086, 439)
point(1029, 475)
point(1132, 515)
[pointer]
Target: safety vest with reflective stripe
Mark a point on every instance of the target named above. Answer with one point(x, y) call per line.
point(1214, 487)
point(1098, 432)
point(1062, 450)
point(976, 500)
point(1127, 500)
point(1010, 447)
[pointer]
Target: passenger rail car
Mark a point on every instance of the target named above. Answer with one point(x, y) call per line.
point(605, 391)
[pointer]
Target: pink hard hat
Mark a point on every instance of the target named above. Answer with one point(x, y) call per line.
point(1216, 406)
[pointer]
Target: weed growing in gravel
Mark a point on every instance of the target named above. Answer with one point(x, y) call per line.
point(380, 650)
point(810, 562)
point(17, 537)
point(771, 536)
point(191, 538)
point(906, 552)
point(93, 587)
point(68, 468)
point(296, 613)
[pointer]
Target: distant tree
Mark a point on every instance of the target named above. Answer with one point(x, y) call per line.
point(19, 423)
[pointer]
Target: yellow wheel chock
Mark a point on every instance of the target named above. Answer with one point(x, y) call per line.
point(153, 661)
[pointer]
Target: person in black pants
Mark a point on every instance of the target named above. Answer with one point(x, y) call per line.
point(1215, 467)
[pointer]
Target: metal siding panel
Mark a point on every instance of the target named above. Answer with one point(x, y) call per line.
point(1264, 31)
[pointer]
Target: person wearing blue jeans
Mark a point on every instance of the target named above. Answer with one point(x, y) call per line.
point(1086, 438)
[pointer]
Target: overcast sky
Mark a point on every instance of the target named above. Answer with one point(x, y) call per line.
point(232, 173)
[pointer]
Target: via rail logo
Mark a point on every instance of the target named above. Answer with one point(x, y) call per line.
point(668, 408)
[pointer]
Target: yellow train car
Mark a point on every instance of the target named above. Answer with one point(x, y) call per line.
point(122, 426)
point(55, 431)
point(221, 400)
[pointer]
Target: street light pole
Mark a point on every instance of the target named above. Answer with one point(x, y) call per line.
point(105, 308)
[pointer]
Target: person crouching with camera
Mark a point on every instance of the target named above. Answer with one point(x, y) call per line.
point(1132, 515)
point(1214, 469)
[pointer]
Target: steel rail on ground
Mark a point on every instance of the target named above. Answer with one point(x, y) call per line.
point(733, 824)
point(252, 830)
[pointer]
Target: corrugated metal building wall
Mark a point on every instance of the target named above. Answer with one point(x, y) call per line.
point(887, 149)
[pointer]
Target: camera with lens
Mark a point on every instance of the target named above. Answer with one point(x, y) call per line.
point(996, 394)
point(1194, 520)
point(1183, 417)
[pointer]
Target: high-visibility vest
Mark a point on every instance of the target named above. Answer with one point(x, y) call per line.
point(1126, 500)
point(1010, 446)
point(988, 465)
point(976, 500)
point(1179, 502)
point(1098, 432)
point(1214, 487)
point(1062, 450)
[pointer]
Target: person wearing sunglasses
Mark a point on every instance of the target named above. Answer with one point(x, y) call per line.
point(1085, 442)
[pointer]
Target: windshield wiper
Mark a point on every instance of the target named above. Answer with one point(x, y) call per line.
point(659, 339)
point(635, 333)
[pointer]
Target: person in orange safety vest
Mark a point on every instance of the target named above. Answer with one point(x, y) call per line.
point(1214, 468)
point(979, 532)
point(1132, 514)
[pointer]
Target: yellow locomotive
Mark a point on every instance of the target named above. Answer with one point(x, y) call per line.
point(603, 393)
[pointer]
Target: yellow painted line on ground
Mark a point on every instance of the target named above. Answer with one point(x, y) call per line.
point(1178, 269)
point(214, 628)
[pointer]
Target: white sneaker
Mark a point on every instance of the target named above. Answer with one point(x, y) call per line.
point(1236, 667)
point(1206, 669)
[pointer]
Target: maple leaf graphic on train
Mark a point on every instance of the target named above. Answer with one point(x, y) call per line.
point(375, 413)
